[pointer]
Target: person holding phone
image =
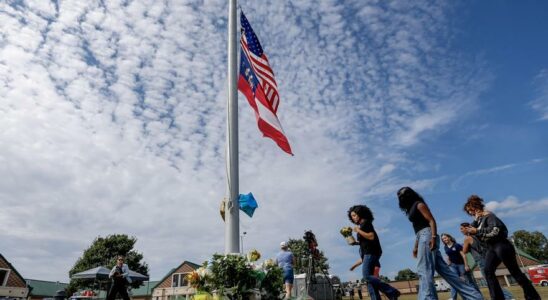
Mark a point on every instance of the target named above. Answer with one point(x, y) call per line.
point(120, 279)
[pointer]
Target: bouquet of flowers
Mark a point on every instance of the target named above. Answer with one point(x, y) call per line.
point(253, 255)
point(198, 278)
point(347, 234)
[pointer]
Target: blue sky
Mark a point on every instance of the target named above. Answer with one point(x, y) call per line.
point(113, 121)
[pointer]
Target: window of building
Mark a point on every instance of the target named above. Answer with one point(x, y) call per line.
point(175, 280)
point(4, 274)
point(179, 280)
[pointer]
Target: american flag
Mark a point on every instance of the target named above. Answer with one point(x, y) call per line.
point(257, 83)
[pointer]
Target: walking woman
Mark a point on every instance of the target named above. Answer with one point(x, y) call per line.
point(492, 232)
point(370, 252)
point(473, 246)
point(456, 260)
point(426, 249)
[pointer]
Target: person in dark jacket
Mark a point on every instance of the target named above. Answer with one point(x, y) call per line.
point(492, 232)
point(473, 246)
point(120, 279)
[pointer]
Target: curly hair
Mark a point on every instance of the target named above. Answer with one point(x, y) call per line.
point(407, 197)
point(474, 202)
point(362, 211)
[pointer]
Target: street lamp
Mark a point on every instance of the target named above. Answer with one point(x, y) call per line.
point(242, 241)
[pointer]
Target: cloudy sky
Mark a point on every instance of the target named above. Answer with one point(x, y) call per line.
point(113, 113)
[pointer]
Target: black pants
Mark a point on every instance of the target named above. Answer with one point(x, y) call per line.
point(118, 288)
point(503, 251)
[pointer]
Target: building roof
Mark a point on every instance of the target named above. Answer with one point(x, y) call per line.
point(145, 289)
point(526, 255)
point(190, 265)
point(18, 279)
point(45, 288)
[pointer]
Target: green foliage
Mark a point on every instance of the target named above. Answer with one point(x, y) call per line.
point(533, 243)
point(103, 252)
point(301, 253)
point(406, 274)
point(272, 284)
point(232, 274)
point(236, 277)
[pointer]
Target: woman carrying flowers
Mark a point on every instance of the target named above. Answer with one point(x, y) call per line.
point(370, 252)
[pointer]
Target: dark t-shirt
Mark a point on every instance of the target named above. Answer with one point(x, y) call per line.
point(371, 247)
point(416, 217)
point(454, 253)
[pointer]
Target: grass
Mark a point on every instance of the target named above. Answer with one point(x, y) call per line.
point(516, 291)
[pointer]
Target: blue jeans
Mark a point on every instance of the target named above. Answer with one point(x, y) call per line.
point(430, 261)
point(374, 284)
point(461, 271)
point(469, 278)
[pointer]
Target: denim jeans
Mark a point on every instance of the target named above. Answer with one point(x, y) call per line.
point(374, 284)
point(430, 261)
point(470, 280)
point(459, 270)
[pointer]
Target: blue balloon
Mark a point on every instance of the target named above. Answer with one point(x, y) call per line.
point(248, 204)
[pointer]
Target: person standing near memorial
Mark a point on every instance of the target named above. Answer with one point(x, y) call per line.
point(286, 260)
point(120, 279)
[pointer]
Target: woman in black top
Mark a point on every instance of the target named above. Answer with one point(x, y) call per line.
point(492, 232)
point(370, 252)
point(426, 249)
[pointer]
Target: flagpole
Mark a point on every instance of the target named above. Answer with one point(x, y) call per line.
point(232, 211)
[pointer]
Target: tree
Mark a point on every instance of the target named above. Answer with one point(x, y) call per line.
point(301, 253)
point(533, 243)
point(103, 252)
point(406, 274)
point(384, 278)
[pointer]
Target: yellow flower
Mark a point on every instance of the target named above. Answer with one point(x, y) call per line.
point(253, 255)
point(346, 231)
point(193, 279)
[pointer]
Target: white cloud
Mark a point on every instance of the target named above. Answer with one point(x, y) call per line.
point(113, 121)
point(512, 206)
point(540, 103)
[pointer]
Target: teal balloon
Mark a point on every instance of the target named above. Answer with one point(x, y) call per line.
point(248, 204)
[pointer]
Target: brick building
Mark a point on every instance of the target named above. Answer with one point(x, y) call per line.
point(12, 284)
point(174, 285)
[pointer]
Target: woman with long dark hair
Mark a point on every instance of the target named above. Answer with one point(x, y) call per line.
point(492, 232)
point(426, 248)
point(370, 252)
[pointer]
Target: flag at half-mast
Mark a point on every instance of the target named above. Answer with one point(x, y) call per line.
point(257, 83)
